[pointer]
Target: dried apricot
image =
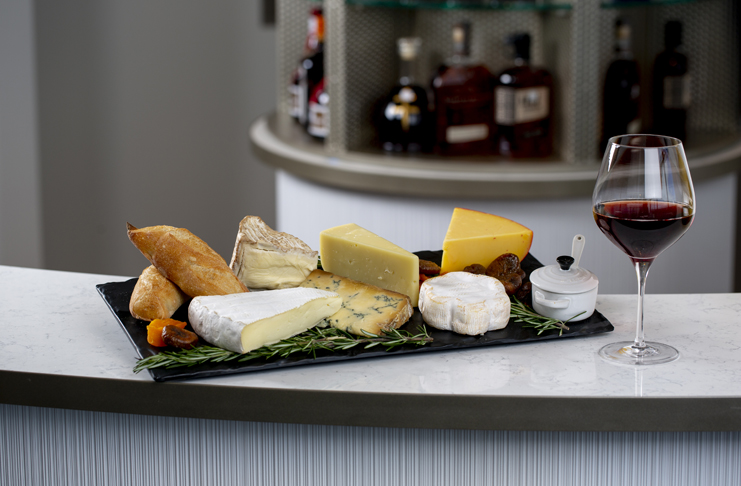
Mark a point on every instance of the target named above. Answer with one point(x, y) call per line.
point(154, 330)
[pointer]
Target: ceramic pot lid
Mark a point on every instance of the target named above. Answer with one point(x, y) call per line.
point(563, 278)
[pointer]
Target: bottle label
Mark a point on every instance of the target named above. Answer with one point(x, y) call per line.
point(318, 120)
point(634, 126)
point(521, 105)
point(295, 101)
point(677, 92)
point(466, 133)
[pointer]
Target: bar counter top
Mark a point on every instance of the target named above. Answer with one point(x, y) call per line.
point(62, 348)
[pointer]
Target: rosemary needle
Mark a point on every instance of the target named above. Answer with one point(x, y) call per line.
point(308, 342)
point(522, 313)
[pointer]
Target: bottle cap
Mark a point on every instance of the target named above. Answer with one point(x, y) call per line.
point(408, 47)
point(461, 38)
point(672, 34)
point(521, 43)
point(622, 35)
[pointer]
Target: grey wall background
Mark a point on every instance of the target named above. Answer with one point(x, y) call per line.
point(131, 111)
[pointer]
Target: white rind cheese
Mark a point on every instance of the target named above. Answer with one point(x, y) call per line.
point(267, 259)
point(464, 303)
point(364, 307)
point(247, 321)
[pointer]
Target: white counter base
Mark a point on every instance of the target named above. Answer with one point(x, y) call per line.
point(45, 447)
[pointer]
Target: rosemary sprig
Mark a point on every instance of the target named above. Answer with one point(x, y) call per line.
point(522, 313)
point(308, 342)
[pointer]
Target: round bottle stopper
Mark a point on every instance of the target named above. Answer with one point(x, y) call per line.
point(408, 47)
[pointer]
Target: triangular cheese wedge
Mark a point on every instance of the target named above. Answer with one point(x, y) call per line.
point(476, 237)
point(354, 252)
point(247, 321)
point(267, 259)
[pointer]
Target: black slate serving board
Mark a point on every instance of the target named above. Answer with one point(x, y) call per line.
point(117, 295)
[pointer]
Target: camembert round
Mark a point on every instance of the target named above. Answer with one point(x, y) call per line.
point(464, 303)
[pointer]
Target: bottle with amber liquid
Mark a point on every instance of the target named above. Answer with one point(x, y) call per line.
point(310, 69)
point(463, 99)
point(622, 91)
point(671, 86)
point(404, 120)
point(524, 105)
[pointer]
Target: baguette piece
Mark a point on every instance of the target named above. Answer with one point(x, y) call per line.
point(186, 260)
point(155, 297)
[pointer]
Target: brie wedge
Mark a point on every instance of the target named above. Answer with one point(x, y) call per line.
point(267, 259)
point(247, 321)
point(464, 303)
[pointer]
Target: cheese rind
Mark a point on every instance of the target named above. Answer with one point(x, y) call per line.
point(354, 252)
point(464, 303)
point(267, 259)
point(364, 307)
point(247, 321)
point(476, 237)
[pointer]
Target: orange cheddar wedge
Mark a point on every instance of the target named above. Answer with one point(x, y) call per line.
point(476, 237)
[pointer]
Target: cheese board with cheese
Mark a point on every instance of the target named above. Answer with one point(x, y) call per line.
point(117, 296)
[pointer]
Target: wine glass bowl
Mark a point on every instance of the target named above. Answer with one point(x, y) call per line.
point(643, 202)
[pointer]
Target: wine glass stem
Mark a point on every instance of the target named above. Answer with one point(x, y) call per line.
point(642, 267)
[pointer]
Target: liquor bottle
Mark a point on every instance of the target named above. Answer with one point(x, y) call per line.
point(524, 105)
point(671, 86)
point(403, 121)
point(622, 89)
point(310, 69)
point(462, 90)
point(318, 116)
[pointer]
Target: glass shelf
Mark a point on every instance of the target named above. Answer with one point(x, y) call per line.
point(462, 4)
point(643, 3)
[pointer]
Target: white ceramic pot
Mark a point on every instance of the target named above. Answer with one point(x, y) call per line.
point(562, 291)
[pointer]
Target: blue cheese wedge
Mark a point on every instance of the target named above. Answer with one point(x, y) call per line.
point(247, 321)
point(364, 307)
point(464, 303)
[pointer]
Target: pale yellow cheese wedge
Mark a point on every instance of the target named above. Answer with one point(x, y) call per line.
point(476, 237)
point(354, 252)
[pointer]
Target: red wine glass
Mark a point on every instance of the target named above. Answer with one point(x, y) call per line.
point(643, 201)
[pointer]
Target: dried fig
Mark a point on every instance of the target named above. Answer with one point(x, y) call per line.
point(427, 267)
point(524, 293)
point(179, 338)
point(476, 268)
point(506, 269)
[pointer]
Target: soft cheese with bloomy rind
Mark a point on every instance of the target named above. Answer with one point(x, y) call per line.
point(476, 237)
point(247, 321)
point(364, 307)
point(354, 252)
point(464, 303)
point(267, 259)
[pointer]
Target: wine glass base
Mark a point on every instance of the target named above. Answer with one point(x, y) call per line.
point(626, 353)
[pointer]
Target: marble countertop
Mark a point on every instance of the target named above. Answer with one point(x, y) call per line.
point(61, 347)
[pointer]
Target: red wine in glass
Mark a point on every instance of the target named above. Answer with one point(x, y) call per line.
point(643, 228)
point(644, 202)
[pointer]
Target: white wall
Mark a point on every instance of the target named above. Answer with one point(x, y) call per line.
point(20, 199)
point(144, 109)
